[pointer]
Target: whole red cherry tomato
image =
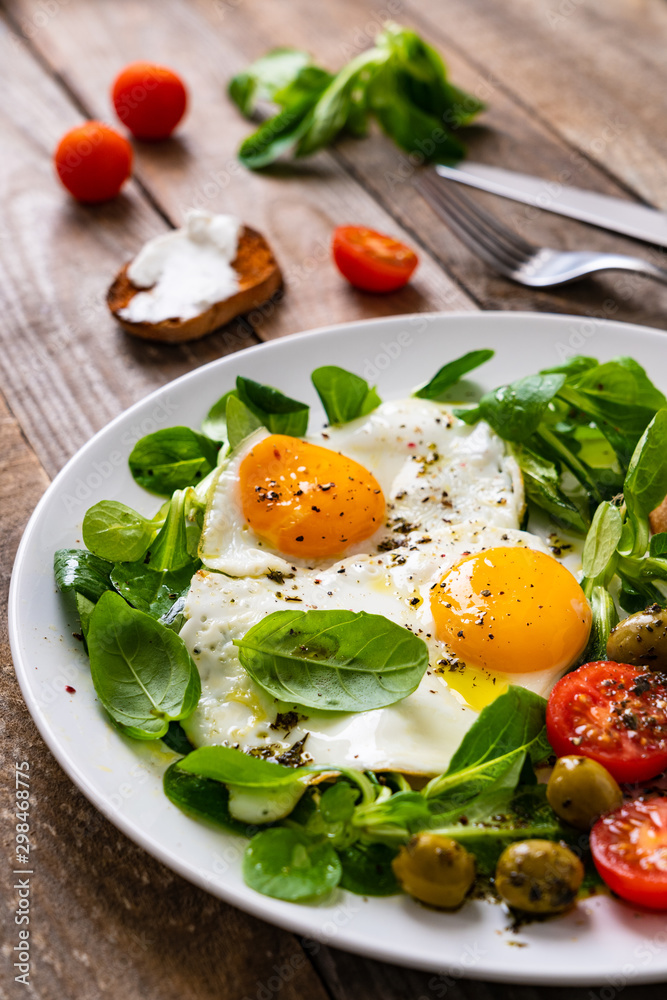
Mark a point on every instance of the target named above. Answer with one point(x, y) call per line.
point(149, 99)
point(93, 162)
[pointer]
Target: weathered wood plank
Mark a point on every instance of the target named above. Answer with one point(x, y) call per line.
point(296, 210)
point(107, 920)
point(510, 135)
point(66, 366)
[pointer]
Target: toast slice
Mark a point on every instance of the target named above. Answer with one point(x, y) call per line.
point(259, 278)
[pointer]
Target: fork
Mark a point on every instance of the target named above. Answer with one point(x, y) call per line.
point(510, 254)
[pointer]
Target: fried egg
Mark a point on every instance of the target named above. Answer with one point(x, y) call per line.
point(407, 513)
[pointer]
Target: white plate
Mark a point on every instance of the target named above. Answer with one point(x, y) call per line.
point(602, 943)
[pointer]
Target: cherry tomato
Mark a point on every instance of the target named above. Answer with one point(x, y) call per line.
point(150, 100)
point(93, 162)
point(613, 713)
point(629, 849)
point(371, 261)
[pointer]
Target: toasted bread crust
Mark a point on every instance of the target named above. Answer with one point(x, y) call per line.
point(259, 279)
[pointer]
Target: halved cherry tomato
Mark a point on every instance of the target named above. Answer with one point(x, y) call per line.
point(629, 849)
point(149, 99)
point(93, 162)
point(371, 261)
point(614, 713)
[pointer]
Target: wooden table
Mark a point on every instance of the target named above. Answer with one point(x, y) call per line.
point(576, 94)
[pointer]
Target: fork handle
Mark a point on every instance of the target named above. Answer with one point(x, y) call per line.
point(621, 262)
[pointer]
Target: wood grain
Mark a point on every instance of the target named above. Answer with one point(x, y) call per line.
point(295, 209)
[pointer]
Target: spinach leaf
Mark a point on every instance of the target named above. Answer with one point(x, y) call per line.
point(338, 801)
point(81, 571)
point(617, 392)
point(541, 482)
point(240, 420)
point(515, 411)
point(451, 373)
point(333, 660)
point(367, 869)
point(200, 798)
point(141, 670)
point(573, 366)
point(117, 533)
point(645, 484)
point(277, 412)
point(504, 732)
point(172, 459)
point(149, 590)
point(344, 396)
point(214, 424)
point(233, 767)
point(85, 610)
point(265, 77)
point(176, 739)
point(286, 864)
point(176, 543)
point(600, 547)
point(405, 812)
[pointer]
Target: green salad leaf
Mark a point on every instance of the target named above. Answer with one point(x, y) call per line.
point(233, 767)
point(333, 660)
point(286, 864)
point(344, 396)
point(401, 82)
point(240, 420)
point(505, 732)
point(177, 541)
point(172, 459)
point(150, 590)
point(83, 573)
point(367, 869)
point(451, 373)
point(277, 412)
point(200, 798)
point(115, 532)
point(141, 670)
point(516, 410)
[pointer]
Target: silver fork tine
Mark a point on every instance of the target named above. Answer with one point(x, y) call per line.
point(475, 238)
point(510, 239)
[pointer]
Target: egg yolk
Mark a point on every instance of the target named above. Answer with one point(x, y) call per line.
point(512, 610)
point(306, 500)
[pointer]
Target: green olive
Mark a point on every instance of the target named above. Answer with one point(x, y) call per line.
point(641, 639)
point(580, 790)
point(435, 870)
point(539, 876)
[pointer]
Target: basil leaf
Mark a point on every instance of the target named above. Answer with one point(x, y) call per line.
point(200, 798)
point(367, 869)
point(176, 543)
point(81, 571)
point(514, 411)
point(277, 412)
point(542, 487)
point(285, 864)
point(215, 423)
point(344, 396)
point(116, 532)
point(510, 727)
point(233, 767)
point(600, 547)
point(658, 546)
point(451, 373)
point(333, 660)
point(263, 78)
point(149, 590)
point(241, 421)
point(309, 81)
point(172, 459)
point(142, 671)
point(645, 484)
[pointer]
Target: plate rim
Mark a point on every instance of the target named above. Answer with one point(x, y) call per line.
point(294, 919)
